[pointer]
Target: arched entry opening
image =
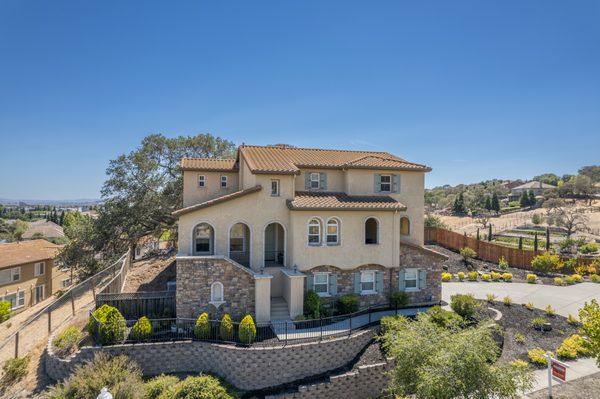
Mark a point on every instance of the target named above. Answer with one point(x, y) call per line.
point(204, 240)
point(239, 244)
point(274, 245)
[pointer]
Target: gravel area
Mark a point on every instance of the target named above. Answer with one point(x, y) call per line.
point(150, 274)
point(581, 388)
point(455, 264)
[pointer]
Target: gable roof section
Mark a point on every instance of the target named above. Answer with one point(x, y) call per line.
point(46, 228)
point(18, 253)
point(311, 201)
point(217, 200)
point(209, 164)
point(534, 184)
point(289, 160)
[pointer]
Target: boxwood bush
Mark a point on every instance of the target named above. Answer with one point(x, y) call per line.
point(226, 328)
point(399, 299)
point(446, 276)
point(463, 304)
point(572, 347)
point(348, 303)
point(247, 331)
point(536, 356)
point(531, 278)
point(473, 276)
point(107, 325)
point(142, 329)
point(202, 327)
point(312, 304)
point(546, 263)
point(507, 277)
point(157, 385)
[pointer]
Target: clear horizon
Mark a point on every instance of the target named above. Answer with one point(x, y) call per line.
point(476, 91)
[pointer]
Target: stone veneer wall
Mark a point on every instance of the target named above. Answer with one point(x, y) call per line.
point(428, 260)
point(195, 275)
point(246, 368)
point(368, 381)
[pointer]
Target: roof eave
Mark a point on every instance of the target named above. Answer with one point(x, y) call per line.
point(216, 201)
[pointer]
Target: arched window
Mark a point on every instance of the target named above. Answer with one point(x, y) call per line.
point(314, 232)
point(404, 226)
point(371, 231)
point(203, 239)
point(237, 238)
point(216, 293)
point(333, 232)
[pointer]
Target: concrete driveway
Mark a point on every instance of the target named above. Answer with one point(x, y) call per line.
point(565, 300)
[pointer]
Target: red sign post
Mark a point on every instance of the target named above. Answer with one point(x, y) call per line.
point(559, 371)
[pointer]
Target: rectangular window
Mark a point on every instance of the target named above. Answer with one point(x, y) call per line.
point(411, 277)
point(237, 239)
point(314, 234)
point(321, 283)
point(39, 293)
point(65, 283)
point(386, 184)
point(223, 181)
point(274, 188)
point(201, 181)
point(16, 299)
point(39, 269)
point(202, 244)
point(367, 281)
point(314, 180)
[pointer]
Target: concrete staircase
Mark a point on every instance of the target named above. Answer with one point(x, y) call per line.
point(279, 309)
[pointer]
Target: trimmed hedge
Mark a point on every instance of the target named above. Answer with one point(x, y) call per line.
point(247, 331)
point(110, 327)
point(142, 329)
point(202, 327)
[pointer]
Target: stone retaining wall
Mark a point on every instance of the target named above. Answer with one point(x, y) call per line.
point(367, 381)
point(246, 368)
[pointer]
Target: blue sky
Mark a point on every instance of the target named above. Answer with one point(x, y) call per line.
point(474, 89)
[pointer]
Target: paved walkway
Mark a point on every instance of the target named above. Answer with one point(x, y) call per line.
point(566, 300)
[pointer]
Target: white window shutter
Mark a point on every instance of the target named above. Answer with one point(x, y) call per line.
point(379, 282)
point(310, 282)
point(422, 279)
point(357, 283)
point(307, 180)
point(332, 284)
point(323, 181)
point(401, 284)
point(377, 187)
point(397, 183)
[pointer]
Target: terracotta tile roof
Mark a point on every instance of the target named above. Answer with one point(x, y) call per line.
point(289, 160)
point(218, 200)
point(47, 229)
point(305, 200)
point(209, 164)
point(17, 253)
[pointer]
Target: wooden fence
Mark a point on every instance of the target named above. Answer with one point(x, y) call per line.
point(134, 305)
point(490, 252)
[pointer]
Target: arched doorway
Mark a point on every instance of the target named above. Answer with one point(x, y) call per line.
point(204, 240)
point(404, 226)
point(274, 247)
point(239, 243)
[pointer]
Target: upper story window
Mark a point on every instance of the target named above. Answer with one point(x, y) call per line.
point(371, 231)
point(201, 181)
point(223, 181)
point(274, 188)
point(8, 276)
point(39, 269)
point(385, 185)
point(314, 232)
point(333, 232)
point(314, 180)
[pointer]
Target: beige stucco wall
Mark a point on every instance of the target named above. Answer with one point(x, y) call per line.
point(192, 194)
point(28, 282)
point(336, 180)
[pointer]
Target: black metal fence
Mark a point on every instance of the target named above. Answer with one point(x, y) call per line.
point(154, 305)
point(272, 334)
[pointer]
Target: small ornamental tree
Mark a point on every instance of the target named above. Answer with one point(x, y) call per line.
point(142, 329)
point(247, 331)
point(202, 327)
point(226, 328)
point(589, 317)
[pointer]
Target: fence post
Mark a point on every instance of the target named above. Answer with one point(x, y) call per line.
point(286, 333)
point(321, 325)
point(49, 321)
point(369, 314)
point(350, 331)
point(17, 344)
point(72, 303)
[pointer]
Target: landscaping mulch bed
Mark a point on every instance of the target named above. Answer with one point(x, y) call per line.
point(516, 319)
point(150, 274)
point(455, 264)
point(581, 388)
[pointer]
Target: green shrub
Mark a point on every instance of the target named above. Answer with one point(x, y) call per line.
point(589, 248)
point(202, 326)
point(198, 387)
point(473, 276)
point(312, 304)
point(226, 328)
point(528, 306)
point(558, 281)
point(594, 278)
point(347, 303)
point(502, 263)
point(67, 341)
point(107, 325)
point(399, 299)
point(577, 278)
point(507, 301)
point(550, 311)
point(142, 329)
point(5, 311)
point(446, 276)
point(247, 331)
point(537, 356)
point(566, 245)
point(157, 385)
point(507, 277)
point(460, 275)
point(463, 304)
point(445, 318)
point(491, 298)
point(486, 277)
point(467, 254)
point(572, 347)
point(569, 280)
point(496, 276)
point(519, 338)
point(531, 278)
point(572, 320)
point(546, 263)
point(14, 370)
point(538, 322)
point(120, 375)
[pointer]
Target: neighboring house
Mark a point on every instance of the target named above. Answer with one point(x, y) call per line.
point(28, 273)
point(150, 244)
point(275, 221)
point(46, 229)
point(537, 187)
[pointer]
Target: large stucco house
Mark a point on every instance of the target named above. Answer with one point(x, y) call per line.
point(256, 232)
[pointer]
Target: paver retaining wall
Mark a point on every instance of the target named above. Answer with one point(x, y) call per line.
point(246, 368)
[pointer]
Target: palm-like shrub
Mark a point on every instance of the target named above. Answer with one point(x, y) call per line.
point(202, 327)
point(247, 331)
point(226, 328)
point(142, 329)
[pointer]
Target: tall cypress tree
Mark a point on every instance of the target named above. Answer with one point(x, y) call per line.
point(524, 200)
point(520, 242)
point(535, 243)
point(490, 232)
point(495, 203)
point(531, 198)
point(488, 204)
point(547, 238)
